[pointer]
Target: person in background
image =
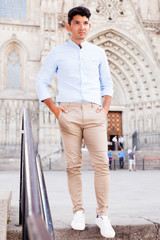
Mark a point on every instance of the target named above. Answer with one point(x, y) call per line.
point(83, 143)
point(121, 154)
point(110, 159)
point(121, 141)
point(114, 140)
point(132, 160)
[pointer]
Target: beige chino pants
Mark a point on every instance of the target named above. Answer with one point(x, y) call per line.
point(82, 120)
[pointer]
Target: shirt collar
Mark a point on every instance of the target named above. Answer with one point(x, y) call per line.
point(73, 44)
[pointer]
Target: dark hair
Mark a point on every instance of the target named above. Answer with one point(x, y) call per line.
point(82, 11)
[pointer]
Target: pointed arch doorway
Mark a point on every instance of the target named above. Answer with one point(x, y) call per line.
point(114, 126)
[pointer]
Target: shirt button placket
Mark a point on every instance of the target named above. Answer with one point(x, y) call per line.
point(81, 72)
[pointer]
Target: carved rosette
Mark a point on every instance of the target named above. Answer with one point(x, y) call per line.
point(110, 8)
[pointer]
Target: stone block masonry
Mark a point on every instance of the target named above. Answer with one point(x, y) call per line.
point(5, 202)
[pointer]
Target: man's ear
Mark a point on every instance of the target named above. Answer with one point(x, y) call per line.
point(68, 27)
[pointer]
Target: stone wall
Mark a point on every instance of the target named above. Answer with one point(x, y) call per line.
point(11, 124)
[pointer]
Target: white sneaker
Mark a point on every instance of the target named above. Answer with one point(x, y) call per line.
point(104, 224)
point(78, 222)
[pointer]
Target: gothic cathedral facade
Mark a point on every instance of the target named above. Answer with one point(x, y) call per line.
point(128, 31)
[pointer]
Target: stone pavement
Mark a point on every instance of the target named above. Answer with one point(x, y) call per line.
point(134, 205)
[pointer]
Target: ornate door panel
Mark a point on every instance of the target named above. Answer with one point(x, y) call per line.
point(114, 125)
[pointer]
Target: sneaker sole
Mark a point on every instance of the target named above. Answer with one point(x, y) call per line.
point(78, 228)
point(106, 236)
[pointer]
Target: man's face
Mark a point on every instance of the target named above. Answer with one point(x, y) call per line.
point(79, 28)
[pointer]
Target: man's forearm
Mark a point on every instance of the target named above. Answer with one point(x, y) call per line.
point(50, 104)
point(106, 103)
point(53, 108)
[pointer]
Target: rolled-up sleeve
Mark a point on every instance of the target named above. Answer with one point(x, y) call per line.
point(105, 78)
point(45, 76)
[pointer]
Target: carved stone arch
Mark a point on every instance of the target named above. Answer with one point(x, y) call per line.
point(140, 123)
point(119, 74)
point(19, 45)
point(119, 95)
point(125, 56)
point(157, 121)
point(6, 49)
point(149, 123)
point(132, 58)
point(126, 35)
point(132, 124)
point(129, 69)
point(11, 51)
point(125, 75)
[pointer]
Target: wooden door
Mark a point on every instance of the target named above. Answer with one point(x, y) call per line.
point(114, 125)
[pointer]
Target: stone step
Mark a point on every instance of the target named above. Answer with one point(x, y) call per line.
point(148, 231)
point(10, 163)
point(5, 202)
point(134, 210)
point(14, 231)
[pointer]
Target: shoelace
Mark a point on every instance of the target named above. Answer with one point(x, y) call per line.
point(99, 216)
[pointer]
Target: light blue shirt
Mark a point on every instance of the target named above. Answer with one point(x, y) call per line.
point(109, 154)
point(122, 154)
point(83, 73)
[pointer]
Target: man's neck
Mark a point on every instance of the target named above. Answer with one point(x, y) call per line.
point(78, 42)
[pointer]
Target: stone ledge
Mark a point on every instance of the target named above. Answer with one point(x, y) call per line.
point(128, 232)
point(7, 164)
point(141, 229)
point(5, 202)
point(14, 232)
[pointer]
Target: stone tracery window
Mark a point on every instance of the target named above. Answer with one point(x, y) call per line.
point(13, 9)
point(13, 70)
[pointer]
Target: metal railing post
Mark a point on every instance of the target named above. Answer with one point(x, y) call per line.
point(30, 168)
point(33, 194)
point(25, 211)
point(114, 164)
point(21, 173)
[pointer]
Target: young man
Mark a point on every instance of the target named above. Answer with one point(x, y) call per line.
point(132, 160)
point(114, 140)
point(121, 154)
point(121, 141)
point(83, 78)
point(110, 159)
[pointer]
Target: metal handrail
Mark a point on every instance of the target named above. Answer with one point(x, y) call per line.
point(32, 206)
point(30, 168)
point(44, 197)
